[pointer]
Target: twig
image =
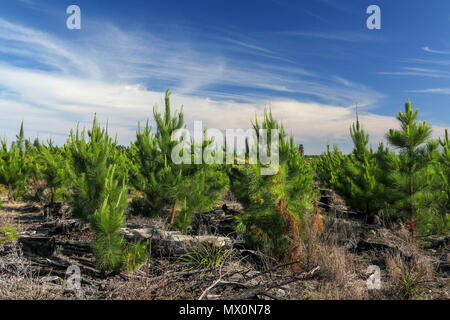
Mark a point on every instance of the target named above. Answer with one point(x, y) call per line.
point(269, 295)
point(220, 276)
point(262, 290)
point(273, 269)
point(181, 273)
point(148, 260)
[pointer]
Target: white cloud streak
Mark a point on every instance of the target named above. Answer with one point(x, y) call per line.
point(433, 90)
point(418, 72)
point(339, 36)
point(117, 74)
point(428, 49)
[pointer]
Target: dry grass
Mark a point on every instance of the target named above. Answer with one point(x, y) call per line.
point(163, 283)
point(134, 221)
point(18, 283)
point(340, 269)
point(164, 287)
point(408, 279)
point(405, 273)
point(6, 220)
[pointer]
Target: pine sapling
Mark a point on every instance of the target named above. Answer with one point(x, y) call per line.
point(106, 222)
point(415, 150)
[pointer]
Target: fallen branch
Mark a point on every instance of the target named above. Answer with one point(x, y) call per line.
point(263, 289)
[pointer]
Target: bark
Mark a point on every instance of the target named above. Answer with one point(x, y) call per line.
point(172, 215)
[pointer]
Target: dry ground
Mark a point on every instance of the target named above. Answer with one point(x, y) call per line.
point(333, 266)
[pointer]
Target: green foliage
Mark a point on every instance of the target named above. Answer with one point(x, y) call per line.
point(15, 165)
point(274, 204)
point(440, 223)
point(328, 166)
point(97, 171)
point(164, 183)
point(202, 187)
point(357, 181)
point(443, 171)
point(137, 255)
point(107, 221)
point(412, 284)
point(8, 234)
point(411, 185)
point(143, 153)
point(87, 164)
point(166, 125)
point(204, 256)
point(183, 219)
point(411, 182)
point(357, 177)
point(52, 168)
point(153, 172)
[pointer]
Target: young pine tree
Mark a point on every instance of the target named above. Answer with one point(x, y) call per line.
point(88, 161)
point(52, 168)
point(358, 183)
point(442, 187)
point(443, 169)
point(163, 183)
point(274, 204)
point(203, 185)
point(98, 176)
point(107, 221)
point(329, 167)
point(15, 165)
point(153, 172)
point(411, 180)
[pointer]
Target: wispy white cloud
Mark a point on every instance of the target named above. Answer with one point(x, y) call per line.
point(120, 75)
point(428, 49)
point(114, 55)
point(233, 42)
point(433, 90)
point(418, 72)
point(440, 67)
point(338, 35)
point(41, 47)
point(50, 105)
point(39, 6)
point(314, 15)
point(426, 61)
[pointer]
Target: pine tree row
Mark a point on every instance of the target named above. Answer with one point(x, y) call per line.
point(103, 181)
point(409, 183)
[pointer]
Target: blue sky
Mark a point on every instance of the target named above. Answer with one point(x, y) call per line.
point(224, 61)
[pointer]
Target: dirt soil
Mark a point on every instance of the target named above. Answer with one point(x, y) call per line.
point(334, 263)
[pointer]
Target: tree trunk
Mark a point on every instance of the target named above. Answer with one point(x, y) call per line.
point(52, 200)
point(411, 194)
point(36, 183)
point(412, 227)
point(172, 215)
